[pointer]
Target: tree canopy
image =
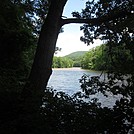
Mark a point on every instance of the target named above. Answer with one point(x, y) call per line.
point(118, 20)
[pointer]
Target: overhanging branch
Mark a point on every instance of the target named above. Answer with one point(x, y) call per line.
point(79, 21)
point(97, 21)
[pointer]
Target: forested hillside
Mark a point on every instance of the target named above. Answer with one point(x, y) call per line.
point(70, 60)
point(76, 57)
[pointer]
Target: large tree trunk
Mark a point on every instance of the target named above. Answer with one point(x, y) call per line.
point(41, 69)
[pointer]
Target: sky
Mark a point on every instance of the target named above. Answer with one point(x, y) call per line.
point(69, 40)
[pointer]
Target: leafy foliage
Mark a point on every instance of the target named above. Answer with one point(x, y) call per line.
point(115, 30)
point(61, 113)
point(19, 26)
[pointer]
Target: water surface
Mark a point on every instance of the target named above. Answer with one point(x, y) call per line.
point(67, 80)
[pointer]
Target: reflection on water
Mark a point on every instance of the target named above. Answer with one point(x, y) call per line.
point(67, 80)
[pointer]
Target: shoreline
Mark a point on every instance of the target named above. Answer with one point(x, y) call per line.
point(76, 69)
point(72, 68)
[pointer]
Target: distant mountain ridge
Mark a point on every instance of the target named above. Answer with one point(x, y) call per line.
point(76, 57)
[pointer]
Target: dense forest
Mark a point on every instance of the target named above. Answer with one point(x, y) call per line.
point(98, 58)
point(28, 34)
point(62, 62)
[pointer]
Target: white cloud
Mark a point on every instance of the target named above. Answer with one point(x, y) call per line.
point(70, 42)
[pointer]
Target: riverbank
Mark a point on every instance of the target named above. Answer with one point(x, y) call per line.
point(73, 68)
point(77, 69)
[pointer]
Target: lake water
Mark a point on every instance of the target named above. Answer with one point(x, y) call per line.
point(67, 80)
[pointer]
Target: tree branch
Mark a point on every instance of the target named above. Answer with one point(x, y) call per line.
point(79, 21)
point(97, 21)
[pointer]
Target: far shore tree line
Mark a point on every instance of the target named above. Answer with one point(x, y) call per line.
point(62, 62)
point(98, 58)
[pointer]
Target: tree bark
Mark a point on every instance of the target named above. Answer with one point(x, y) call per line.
point(31, 96)
point(41, 69)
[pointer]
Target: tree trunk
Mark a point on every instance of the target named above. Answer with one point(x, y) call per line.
point(41, 69)
point(31, 96)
